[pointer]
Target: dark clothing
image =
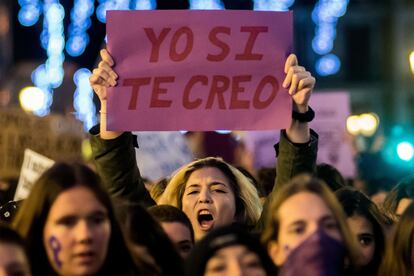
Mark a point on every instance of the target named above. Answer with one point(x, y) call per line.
point(116, 164)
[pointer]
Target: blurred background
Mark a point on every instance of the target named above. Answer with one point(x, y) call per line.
point(362, 47)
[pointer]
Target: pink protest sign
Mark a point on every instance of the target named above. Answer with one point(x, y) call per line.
point(332, 109)
point(199, 70)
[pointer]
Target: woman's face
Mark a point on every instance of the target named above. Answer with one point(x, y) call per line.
point(77, 232)
point(300, 216)
point(208, 200)
point(234, 260)
point(362, 229)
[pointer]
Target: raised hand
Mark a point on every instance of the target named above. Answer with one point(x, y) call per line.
point(300, 83)
point(103, 76)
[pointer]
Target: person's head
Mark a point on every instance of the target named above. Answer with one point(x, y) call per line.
point(400, 197)
point(13, 259)
point(177, 226)
point(69, 225)
point(331, 176)
point(366, 223)
point(399, 255)
point(303, 207)
point(229, 250)
point(147, 237)
point(213, 193)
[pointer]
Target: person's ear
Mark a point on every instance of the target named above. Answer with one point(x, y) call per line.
point(275, 253)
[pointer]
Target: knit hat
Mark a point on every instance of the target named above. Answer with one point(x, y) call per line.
point(221, 238)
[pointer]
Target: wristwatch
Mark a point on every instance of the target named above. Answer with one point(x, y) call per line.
point(304, 117)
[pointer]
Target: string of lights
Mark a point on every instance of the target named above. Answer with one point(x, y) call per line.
point(78, 38)
point(49, 75)
point(325, 15)
point(83, 99)
point(206, 5)
point(271, 5)
point(29, 13)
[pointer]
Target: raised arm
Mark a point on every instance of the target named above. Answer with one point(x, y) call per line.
point(114, 152)
point(297, 148)
point(298, 145)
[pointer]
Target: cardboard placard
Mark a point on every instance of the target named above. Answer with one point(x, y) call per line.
point(332, 109)
point(34, 165)
point(56, 136)
point(199, 70)
point(161, 153)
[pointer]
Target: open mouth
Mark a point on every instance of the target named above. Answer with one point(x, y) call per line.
point(205, 220)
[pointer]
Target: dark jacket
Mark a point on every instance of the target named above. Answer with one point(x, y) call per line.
point(116, 164)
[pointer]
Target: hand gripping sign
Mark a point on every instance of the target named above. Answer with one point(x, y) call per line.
point(199, 70)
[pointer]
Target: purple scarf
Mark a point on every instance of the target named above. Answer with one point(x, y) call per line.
point(318, 255)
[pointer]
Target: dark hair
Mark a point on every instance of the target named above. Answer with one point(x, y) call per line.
point(356, 203)
point(400, 251)
point(32, 215)
point(331, 176)
point(168, 213)
point(252, 179)
point(142, 229)
point(8, 235)
point(266, 177)
point(225, 237)
point(404, 189)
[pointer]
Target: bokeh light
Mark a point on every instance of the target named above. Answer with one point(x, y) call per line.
point(405, 151)
point(32, 98)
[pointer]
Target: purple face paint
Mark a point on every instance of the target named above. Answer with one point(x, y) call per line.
point(56, 247)
point(286, 247)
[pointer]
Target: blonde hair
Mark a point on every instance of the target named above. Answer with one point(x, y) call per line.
point(307, 183)
point(248, 207)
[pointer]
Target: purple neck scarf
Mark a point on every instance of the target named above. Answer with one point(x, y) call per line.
point(318, 255)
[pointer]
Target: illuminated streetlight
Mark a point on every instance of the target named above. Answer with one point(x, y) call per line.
point(369, 123)
point(352, 124)
point(32, 98)
point(365, 124)
point(405, 151)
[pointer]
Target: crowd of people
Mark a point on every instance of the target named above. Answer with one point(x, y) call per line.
point(207, 218)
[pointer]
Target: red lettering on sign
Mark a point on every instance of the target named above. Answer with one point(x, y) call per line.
point(219, 85)
point(156, 42)
point(188, 33)
point(257, 103)
point(157, 90)
point(248, 50)
point(225, 49)
point(136, 83)
point(236, 89)
point(186, 97)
